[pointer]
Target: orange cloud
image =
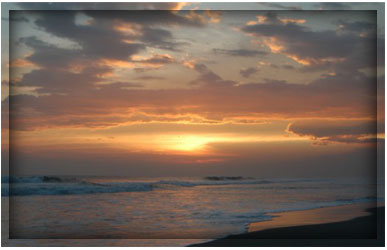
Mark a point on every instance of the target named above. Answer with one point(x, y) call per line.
point(337, 131)
point(154, 61)
point(215, 16)
point(22, 63)
point(290, 20)
point(131, 29)
point(190, 64)
point(116, 63)
point(208, 16)
point(195, 17)
point(180, 5)
point(274, 44)
point(314, 61)
point(261, 19)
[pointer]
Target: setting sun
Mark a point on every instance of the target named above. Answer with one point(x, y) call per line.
point(191, 143)
point(188, 142)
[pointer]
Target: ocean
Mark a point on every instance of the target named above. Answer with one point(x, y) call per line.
point(171, 210)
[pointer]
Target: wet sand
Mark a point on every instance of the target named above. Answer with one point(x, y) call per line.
point(349, 225)
point(313, 216)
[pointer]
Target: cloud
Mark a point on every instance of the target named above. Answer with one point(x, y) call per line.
point(148, 18)
point(92, 38)
point(112, 35)
point(343, 48)
point(160, 38)
point(241, 52)
point(125, 85)
point(358, 27)
point(203, 17)
point(345, 131)
point(207, 77)
point(64, 82)
point(49, 56)
point(280, 6)
point(73, 94)
point(157, 60)
point(213, 99)
point(287, 66)
point(102, 6)
point(214, 15)
point(18, 62)
point(71, 81)
point(150, 78)
point(246, 72)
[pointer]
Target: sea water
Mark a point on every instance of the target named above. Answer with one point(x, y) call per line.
point(165, 211)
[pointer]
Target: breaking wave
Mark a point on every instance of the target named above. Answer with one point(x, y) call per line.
point(58, 185)
point(37, 179)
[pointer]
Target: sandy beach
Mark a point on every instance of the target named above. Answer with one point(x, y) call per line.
point(348, 225)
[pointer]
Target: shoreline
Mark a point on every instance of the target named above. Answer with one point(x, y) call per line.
point(356, 224)
point(271, 236)
point(319, 215)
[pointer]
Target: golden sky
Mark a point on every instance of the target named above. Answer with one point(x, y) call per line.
point(191, 91)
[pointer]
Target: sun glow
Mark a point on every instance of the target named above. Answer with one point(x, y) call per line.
point(190, 143)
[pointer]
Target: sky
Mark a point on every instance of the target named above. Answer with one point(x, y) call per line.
point(193, 90)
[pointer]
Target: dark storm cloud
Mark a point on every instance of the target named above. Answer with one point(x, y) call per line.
point(241, 52)
point(247, 72)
